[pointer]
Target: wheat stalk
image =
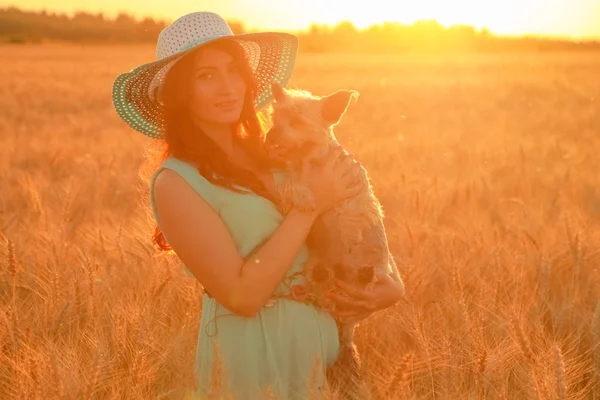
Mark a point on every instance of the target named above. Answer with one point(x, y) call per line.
point(595, 333)
point(559, 370)
point(91, 297)
point(411, 237)
point(398, 386)
point(480, 374)
point(11, 259)
point(459, 292)
point(93, 383)
point(426, 347)
point(91, 277)
point(78, 304)
point(13, 269)
point(101, 242)
point(55, 285)
point(120, 244)
point(527, 352)
point(34, 372)
point(59, 384)
point(523, 343)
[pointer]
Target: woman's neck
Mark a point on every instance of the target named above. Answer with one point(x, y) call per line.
point(221, 134)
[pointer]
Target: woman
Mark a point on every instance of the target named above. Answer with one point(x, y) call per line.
point(214, 201)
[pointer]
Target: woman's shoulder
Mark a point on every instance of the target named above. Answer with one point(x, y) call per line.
point(169, 175)
point(183, 169)
point(187, 170)
point(174, 162)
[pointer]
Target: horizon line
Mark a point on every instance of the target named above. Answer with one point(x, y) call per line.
point(307, 28)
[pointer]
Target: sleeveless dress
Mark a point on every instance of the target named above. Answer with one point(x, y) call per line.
point(278, 347)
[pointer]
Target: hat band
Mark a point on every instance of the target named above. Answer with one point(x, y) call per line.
point(196, 42)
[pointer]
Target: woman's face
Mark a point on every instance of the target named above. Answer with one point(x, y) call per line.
point(217, 88)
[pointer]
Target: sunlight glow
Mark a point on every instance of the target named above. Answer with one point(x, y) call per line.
point(509, 17)
point(506, 17)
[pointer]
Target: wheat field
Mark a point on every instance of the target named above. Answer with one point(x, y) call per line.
point(488, 171)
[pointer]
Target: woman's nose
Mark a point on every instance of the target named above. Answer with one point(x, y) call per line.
point(226, 84)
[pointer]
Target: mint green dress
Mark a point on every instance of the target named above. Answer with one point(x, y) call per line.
point(278, 347)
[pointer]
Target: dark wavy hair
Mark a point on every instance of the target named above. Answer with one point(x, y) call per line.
point(186, 141)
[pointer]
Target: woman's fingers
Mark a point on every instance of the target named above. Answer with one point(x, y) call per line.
point(358, 304)
point(353, 183)
point(333, 157)
point(355, 292)
point(348, 166)
point(353, 175)
point(345, 160)
point(352, 191)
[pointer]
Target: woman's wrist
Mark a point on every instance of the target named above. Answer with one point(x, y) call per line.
point(304, 213)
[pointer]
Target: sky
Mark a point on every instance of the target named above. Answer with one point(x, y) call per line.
point(572, 18)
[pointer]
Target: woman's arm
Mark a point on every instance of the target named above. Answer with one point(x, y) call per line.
point(203, 243)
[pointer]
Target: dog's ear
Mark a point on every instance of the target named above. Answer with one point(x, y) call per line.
point(335, 105)
point(278, 91)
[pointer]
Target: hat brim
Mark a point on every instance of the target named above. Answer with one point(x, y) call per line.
point(272, 56)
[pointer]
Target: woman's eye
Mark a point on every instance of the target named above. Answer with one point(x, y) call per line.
point(205, 76)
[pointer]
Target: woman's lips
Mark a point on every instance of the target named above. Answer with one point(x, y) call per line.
point(226, 104)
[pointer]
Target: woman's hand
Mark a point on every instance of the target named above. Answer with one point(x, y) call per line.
point(333, 181)
point(357, 304)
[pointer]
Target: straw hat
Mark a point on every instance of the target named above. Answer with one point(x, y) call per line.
point(136, 94)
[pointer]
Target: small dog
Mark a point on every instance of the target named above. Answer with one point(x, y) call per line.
point(348, 242)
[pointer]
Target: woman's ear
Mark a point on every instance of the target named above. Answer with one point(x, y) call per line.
point(335, 105)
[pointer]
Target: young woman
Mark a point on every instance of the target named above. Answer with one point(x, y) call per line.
point(213, 197)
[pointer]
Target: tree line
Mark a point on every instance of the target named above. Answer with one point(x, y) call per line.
point(18, 26)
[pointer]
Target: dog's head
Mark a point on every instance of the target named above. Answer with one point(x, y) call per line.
point(303, 122)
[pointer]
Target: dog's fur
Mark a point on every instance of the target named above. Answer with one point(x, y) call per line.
point(347, 242)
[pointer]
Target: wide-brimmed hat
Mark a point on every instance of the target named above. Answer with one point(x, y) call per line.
point(137, 94)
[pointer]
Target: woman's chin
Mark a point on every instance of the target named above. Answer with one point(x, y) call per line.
point(227, 118)
point(230, 116)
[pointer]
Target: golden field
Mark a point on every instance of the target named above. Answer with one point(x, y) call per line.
point(488, 170)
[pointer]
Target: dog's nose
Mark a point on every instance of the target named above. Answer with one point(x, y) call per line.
point(274, 131)
point(273, 135)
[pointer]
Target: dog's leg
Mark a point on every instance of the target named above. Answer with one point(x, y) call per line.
point(344, 376)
